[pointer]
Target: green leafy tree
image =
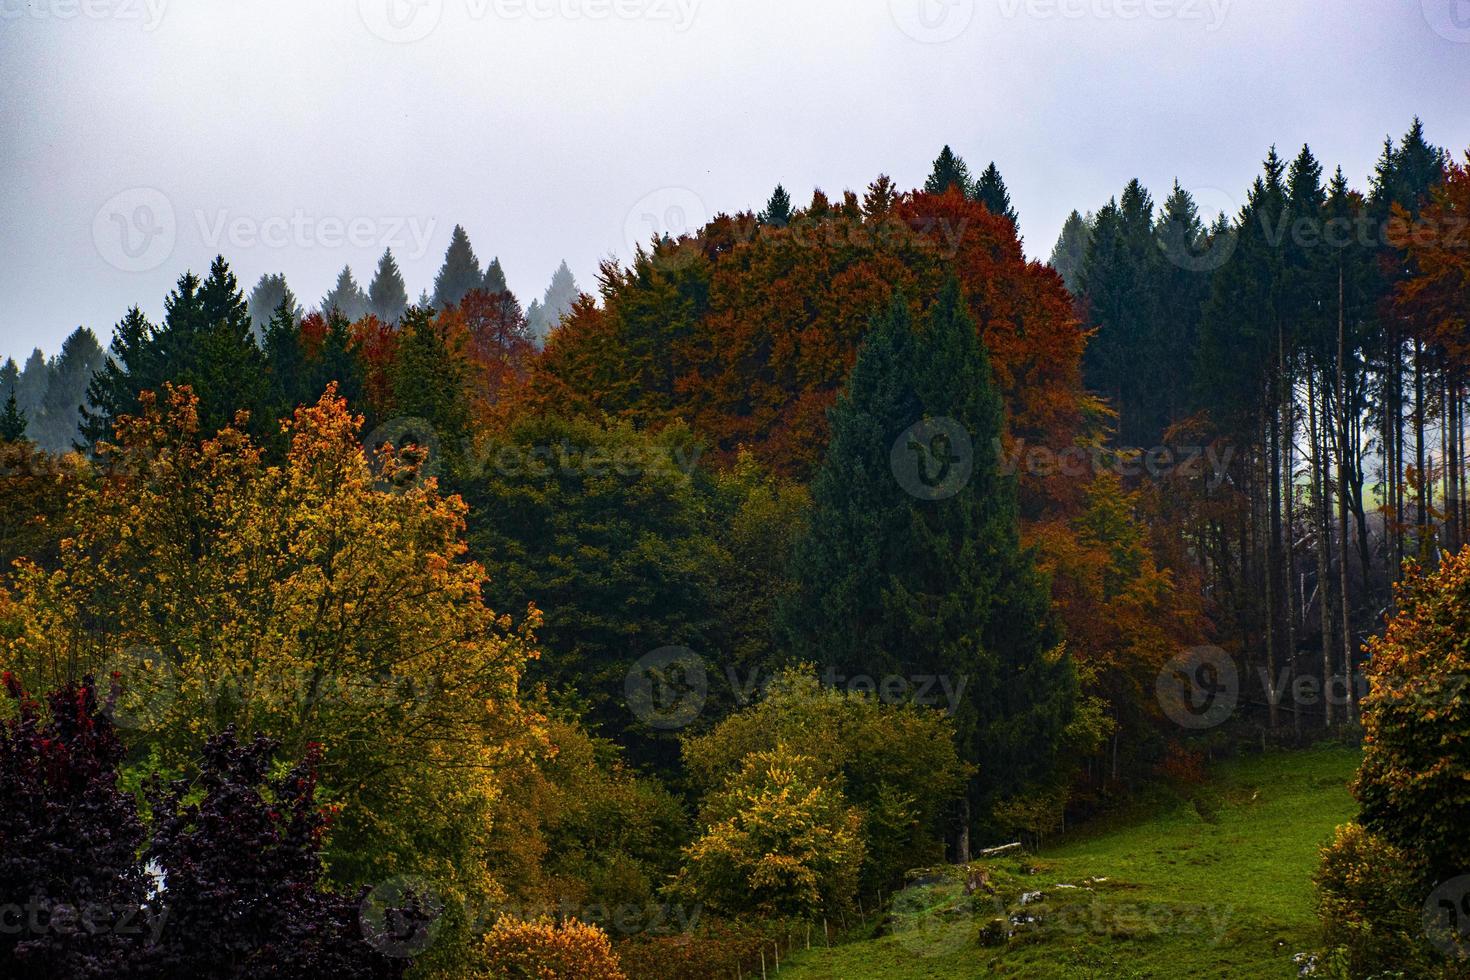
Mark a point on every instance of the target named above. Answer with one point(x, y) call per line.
point(913, 564)
point(387, 295)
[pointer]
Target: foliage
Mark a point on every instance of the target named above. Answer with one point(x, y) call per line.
point(778, 840)
point(544, 950)
point(1368, 898)
point(315, 601)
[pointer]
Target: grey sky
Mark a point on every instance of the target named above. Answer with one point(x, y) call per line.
point(299, 135)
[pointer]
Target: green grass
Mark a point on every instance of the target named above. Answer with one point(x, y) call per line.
point(1215, 886)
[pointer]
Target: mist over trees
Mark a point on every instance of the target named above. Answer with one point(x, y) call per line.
point(545, 315)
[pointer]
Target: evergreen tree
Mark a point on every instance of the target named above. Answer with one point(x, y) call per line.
point(460, 273)
point(778, 209)
point(990, 190)
point(12, 421)
point(285, 361)
point(1181, 286)
point(56, 426)
point(267, 296)
point(9, 377)
point(346, 297)
point(889, 581)
point(30, 388)
point(1071, 247)
point(495, 278)
point(949, 171)
point(561, 296)
point(430, 380)
point(387, 295)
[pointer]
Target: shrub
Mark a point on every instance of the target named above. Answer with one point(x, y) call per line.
point(1368, 897)
point(545, 950)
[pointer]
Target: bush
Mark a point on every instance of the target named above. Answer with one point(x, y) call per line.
point(548, 951)
point(1368, 897)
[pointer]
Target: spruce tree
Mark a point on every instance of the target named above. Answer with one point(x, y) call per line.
point(990, 190)
point(430, 380)
point(12, 421)
point(460, 273)
point(9, 377)
point(346, 297)
point(1071, 246)
point(495, 278)
point(387, 295)
point(949, 172)
point(56, 426)
point(561, 296)
point(778, 209)
point(896, 578)
point(30, 388)
point(1180, 286)
point(267, 296)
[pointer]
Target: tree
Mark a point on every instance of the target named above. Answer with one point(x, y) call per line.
point(387, 295)
point(568, 950)
point(324, 599)
point(31, 383)
point(990, 190)
point(460, 272)
point(346, 298)
point(924, 573)
point(13, 421)
point(561, 295)
point(949, 173)
point(266, 298)
point(56, 426)
point(430, 379)
point(777, 213)
point(1071, 247)
point(494, 278)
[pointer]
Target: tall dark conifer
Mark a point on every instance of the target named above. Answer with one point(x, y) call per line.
point(387, 295)
point(460, 272)
point(950, 172)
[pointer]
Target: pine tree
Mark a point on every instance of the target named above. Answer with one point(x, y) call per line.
point(30, 388)
point(1180, 287)
point(1071, 247)
point(949, 172)
point(891, 582)
point(460, 273)
point(990, 190)
point(430, 380)
point(561, 295)
point(267, 296)
point(9, 377)
point(387, 295)
point(12, 421)
point(495, 278)
point(346, 297)
point(778, 209)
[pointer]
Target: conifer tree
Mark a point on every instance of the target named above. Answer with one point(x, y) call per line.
point(892, 579)
point(55, 428)
point(949, 171)
point(990, 190)
point(12, 421)
point(1071, 246)
point(346, 298)
point(9, 377)
point(387, 295)
point(778, 209)
point(267, 296)
point(561, 295)
point(430, 380)
point(460, 272)
point(30, 388)
point(495, 278)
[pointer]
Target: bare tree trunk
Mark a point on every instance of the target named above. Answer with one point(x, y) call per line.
point(1319, 517)
point(1349, 706)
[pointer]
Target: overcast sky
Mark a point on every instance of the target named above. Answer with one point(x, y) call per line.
point(140, 137)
